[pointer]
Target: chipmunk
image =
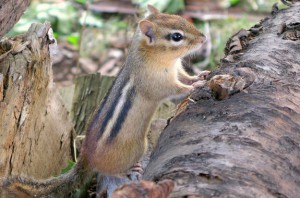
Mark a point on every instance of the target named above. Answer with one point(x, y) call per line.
point(116, 136)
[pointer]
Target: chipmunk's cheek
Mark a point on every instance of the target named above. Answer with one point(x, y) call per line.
point(193, 43)
point(184, 52)
point(194, 48)
point(198, 44)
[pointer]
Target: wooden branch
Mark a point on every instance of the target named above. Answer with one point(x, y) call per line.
point(35, 131)
point(10, 13)
point(248, 144)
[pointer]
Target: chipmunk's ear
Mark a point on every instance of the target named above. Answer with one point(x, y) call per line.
point(147, 28)
point(152, 9)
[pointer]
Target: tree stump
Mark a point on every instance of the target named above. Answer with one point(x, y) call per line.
point(35, 130)
point(246, 145)
point(88, 94)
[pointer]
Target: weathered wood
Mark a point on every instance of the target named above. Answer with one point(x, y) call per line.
point(67, 94)
point(35, 131)
point(1, 87)
point(248, 144)
point(88, 93)
point(10, 13)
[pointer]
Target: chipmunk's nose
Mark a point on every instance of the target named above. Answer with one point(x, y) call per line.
point(203, 36)
point(201, 39)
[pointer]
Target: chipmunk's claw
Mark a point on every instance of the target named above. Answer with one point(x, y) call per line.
point(135, 173)
point(203, 74)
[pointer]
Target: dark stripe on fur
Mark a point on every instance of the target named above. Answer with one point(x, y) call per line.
point(111, 109)
point(97, 113)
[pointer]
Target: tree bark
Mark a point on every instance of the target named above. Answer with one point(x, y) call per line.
point(248, 144)
point(35, 131)
point(10, 13)
point(89, 91)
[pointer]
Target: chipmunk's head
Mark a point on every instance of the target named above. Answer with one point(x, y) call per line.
point(170, 35)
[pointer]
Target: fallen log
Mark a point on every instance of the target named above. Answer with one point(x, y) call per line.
point(247, 143)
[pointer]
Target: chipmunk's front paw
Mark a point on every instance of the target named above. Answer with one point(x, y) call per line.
point(203, 74)
point(199, 83)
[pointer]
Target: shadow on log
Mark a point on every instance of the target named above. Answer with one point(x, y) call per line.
point(246, 145)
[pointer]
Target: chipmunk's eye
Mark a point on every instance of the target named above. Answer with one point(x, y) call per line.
point(176, 36)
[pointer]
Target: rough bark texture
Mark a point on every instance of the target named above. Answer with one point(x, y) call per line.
point(35, 131)
point(246, 145)
point(89, 91)
point(10, 13)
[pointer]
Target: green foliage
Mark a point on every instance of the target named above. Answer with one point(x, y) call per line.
point(64, 20)
point(260, 5)
point(79, 193)
point(74, 39)
point(91, 20)
point(170, 6)
point(252, 5)
point(62, 17)
point(229, 3)
point(68, 167)
point(55, 35)
point(221, 31)
point(233, 2)
point(81, 1)
point(115, 24)
point(175, 6)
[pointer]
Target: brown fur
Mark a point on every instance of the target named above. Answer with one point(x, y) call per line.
point(151, 65)
point(153, 69)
